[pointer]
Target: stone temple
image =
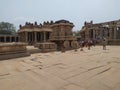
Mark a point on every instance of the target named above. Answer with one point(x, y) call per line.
point(49, 35)
point(109, 30)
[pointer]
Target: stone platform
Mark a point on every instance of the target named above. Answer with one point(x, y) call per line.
point(114, 42)
point(94, 69)
point(46, 46)
point(12, 50)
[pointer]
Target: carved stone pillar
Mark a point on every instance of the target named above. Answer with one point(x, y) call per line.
point(93, 34)
point(110, 33)
point(40, 37)
point(31, 36)
point(115, 33)
point(44, 35)
point(26, 37)
point(35, 35)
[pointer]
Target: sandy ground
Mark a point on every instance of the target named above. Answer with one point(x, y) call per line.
point(94, 69)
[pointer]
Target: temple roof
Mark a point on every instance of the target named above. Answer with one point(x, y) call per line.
point(37, 30)
point(62, 21)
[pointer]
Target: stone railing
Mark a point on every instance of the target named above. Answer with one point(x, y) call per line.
point(12, 50)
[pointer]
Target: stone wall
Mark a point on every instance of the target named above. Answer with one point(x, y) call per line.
point(114, 42)
point(47, 46)
point(12, 50)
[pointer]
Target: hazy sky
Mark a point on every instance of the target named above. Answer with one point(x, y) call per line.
point(76, 11)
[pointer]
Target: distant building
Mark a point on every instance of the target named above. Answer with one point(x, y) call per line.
point(9, 38)
point(109, 30)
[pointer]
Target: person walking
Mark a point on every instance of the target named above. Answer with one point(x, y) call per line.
point(104, 43)
point(89, 44)
point(82, 45)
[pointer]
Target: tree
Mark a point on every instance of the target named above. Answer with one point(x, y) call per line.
point(76, 33)
point(7, 28)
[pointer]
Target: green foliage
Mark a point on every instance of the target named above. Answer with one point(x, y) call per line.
point(76, 33)
point(7, 28)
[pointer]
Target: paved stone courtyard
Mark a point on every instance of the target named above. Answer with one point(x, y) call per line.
point(94, 69)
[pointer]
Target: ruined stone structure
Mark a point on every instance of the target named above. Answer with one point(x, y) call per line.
point(62, 34)
point(12, 50)
point(109, 30)
point(9, 38)
point(33, 33)
point(49, 35)
point(37, 35)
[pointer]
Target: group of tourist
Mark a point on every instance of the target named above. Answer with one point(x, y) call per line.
point(104, 43)
point(87, 43)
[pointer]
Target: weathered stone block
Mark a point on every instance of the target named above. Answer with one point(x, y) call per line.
point(12, 50)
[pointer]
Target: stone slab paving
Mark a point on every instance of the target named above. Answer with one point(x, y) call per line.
point(94, 69)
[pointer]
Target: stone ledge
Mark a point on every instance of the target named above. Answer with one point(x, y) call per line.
point(114, 42)
point(13, 55)
point(12, 50)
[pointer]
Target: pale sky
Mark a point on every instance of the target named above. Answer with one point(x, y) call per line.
point(76, 11)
